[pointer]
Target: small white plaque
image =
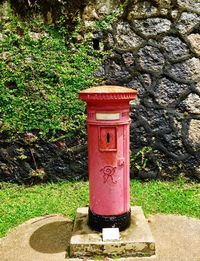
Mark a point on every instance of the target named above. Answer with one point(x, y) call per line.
point(110, 234)
point(107, 116)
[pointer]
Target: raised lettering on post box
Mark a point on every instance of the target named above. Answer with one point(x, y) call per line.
point(108, 126)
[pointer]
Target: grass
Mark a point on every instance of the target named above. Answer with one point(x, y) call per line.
point(20, 203)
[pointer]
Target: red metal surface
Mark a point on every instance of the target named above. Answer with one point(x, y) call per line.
point(108, 148)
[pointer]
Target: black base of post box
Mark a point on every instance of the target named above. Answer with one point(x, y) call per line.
point(98, 222)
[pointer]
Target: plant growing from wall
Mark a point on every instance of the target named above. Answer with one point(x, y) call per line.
point(104, 23)
point(139, 160)
point(144, 160)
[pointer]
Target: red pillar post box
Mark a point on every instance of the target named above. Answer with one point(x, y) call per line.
point(108, 126)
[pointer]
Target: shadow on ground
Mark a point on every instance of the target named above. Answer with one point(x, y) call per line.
point(51, 238)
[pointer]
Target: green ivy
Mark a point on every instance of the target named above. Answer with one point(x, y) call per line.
point(139, 160)
point(41, 76)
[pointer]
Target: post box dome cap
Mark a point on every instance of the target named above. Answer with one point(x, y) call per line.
point(108, 93)
point(108, 89)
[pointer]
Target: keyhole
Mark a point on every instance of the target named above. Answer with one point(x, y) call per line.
point(108, 137)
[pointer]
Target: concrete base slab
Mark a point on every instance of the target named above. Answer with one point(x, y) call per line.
point(137, 240)
point(47, 239)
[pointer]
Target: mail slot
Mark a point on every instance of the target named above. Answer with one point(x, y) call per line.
point(107, 138)
point(108, 125)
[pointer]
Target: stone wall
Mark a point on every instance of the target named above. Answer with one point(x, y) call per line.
point(155, 49)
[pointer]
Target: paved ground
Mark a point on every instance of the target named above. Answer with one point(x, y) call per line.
point(46, 239)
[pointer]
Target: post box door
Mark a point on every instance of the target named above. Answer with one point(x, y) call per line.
point(107, 138)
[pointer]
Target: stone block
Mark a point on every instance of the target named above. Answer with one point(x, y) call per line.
point(126, 38)
point(137, 240)
point(150, 59)
point(195, 42)
point(167, 92)
point(186, 71)
point(174, 48)
point(194, 134)
point(187, 22)
point(142, 10)
point(192, 103)
point(190, 5)
point(152, 27)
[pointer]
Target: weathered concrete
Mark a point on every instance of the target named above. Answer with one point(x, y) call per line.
point(40, 239)
point(137, 240)
point(47, 238)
